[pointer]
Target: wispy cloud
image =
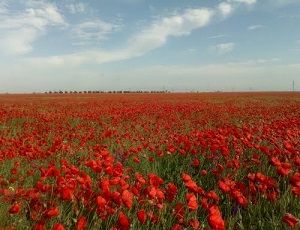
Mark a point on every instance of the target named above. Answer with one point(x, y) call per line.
point(254, 27)
point(32, 23)
point(76, 7)
point(223, 48)
point(191, 51)
point(3, 7)
point(20, 29)
point(158, 32)
point(218, 36)
point(96, 30)
point(248, 2)
point(151, 37)
point(266, 61)
point(178, 25)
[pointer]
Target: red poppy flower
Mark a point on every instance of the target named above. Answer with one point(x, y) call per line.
point(14, 209)
point(290, 220)
point(194, 223)
point(296, 190)
point(179, 210)
point(14, 171)
point(155, 180)
point(100, 201)
point(81, 223)
point(114, 181)
point(171, 191)
point(203, 172)
point(196, 162)
point(153, 218)
point(251, 177)
point(215, 219)
point(274, 161)
point(186, 177)
point(53, 172)
point(212, 195)
point(297, 161)
point(223, 186)
point(66, 193)
point(160, 195)
point(192, 186)
point(192, 201)
point(295, 179)
point(160, 153)
point(127, 197)
point(151, 159)
point(41, 225)
point(272, 195)
point(141, 214)
point(140, 178)
point(123, 222)
point(51, 212)
point(288, 147)
point(283, 171)
point(123, 184)
point(176, 227)
point(205, 204)
point(17, 164)
point(58, 227)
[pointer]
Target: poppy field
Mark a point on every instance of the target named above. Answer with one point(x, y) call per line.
point(150, 161)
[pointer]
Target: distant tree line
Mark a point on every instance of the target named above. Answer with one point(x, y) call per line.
point(100, 91)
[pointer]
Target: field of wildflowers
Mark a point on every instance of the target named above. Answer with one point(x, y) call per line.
point(150, 161)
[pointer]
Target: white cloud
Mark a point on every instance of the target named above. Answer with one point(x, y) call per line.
point(148, 39)
point(225, 9)
point(32, 23)
point(19, 41)
point(254, 27)
point(79, 58)
point(178, 25)
point(19, 30)
point(48, 13)
point(223, 48)
point(76, 7)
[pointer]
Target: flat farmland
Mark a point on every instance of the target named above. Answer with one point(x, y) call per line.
point(150, 161)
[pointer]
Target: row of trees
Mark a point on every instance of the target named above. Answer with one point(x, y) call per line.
point(98, 91)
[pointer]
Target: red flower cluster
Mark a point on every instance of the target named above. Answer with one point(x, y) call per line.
point(175, 161)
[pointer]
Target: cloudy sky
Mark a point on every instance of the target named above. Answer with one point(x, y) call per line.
point(193, 45)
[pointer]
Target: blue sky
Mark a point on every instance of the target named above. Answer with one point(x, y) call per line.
point(190, 45)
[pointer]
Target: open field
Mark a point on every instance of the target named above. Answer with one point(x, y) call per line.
point(150, 161)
